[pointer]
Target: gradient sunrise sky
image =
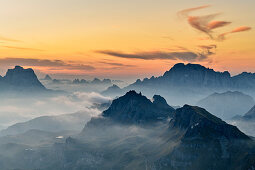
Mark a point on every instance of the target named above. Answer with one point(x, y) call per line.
point(126, 38)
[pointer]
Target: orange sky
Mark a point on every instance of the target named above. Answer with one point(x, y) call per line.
point(128, 39)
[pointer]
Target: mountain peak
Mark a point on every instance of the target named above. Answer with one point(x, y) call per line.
point(133, 107)
point(21, 79)
point(160, 102)
point(47, 77)
point(199, 123)
point(250, 113)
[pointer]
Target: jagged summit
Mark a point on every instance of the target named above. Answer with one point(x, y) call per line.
point(160, 102)
point(196, 75)
point(135, 108)
point(199, 123)
point(21, 79)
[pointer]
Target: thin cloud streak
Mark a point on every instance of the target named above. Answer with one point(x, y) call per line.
point(236, 30)
point(160, 55)
point(56, 64)
point(23, 48)
point(217, 24)
point(186, 12)
point(8, 39)
point(116, 64)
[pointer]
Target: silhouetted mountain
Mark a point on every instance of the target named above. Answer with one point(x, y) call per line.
point(250, 114)
point(136, 108)
point(244, 80)
point(70, 122)
point(228, 104)
point(78, 81)
point(206, 142)
point(20, 79)
point(113, 90)
point(187, 83)
point(47, 77)
point(201, 124)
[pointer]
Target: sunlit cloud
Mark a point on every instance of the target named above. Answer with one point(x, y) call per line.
point(236, 30)
point(186, 12)
point(206, 24)
point(217, 24)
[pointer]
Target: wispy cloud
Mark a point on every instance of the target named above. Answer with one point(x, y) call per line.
point(8, 39)
point(54, 64)
point(186, 12)
point(217, 24)
point(206, 24)
point(236, 30)
point(208, 47)
point(23, 48)
point(116, 64)
point(160, 55)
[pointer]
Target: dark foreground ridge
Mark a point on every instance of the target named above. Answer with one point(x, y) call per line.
point(189, 138)
point(200, 123)
point(136, 108)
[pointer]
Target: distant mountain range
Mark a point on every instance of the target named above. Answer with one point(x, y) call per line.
point(191, 82)
point(228, 104)
point(20, 79)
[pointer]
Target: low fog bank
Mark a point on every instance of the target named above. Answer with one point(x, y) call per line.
point(25, 107)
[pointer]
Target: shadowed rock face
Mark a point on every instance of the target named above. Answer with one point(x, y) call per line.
point(197, 75)
point(199, 123)
point(21, 79)
point(136, 108)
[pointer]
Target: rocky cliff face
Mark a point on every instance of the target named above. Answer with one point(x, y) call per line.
point(21, 79)
point(195, 75)
point(206, 142)
point(136, 108)
point(198, 123)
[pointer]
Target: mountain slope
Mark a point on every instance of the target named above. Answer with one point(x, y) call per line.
point(135, 108)
point(228, 104)
point(71, 122)
point(191, 139)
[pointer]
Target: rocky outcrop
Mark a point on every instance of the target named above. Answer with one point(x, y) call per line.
point(21, 79)
point(136, 108)
point(199, 123)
